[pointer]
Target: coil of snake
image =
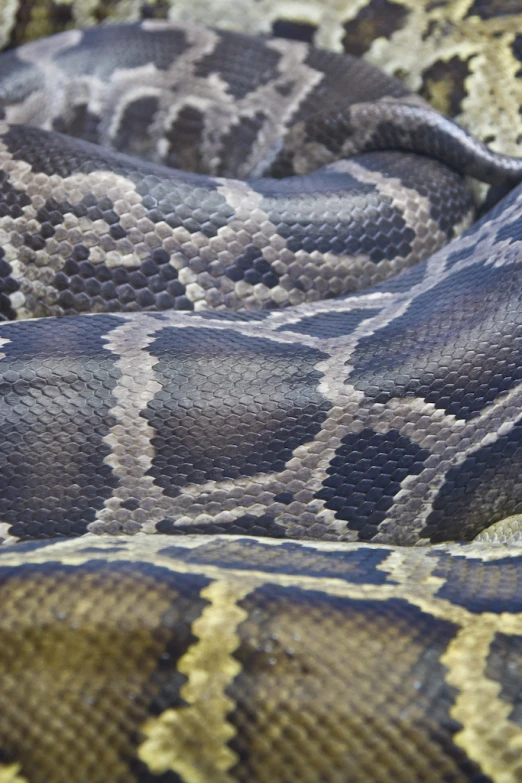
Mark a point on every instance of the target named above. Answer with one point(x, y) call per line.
point(305, 426)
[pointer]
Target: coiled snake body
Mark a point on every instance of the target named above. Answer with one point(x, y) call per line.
point(306, 439)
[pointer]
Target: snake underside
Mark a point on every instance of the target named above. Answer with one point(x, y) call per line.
point(241, 372)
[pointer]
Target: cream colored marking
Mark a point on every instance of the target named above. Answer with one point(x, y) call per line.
point(129, 440)
point(9, 774)
point(5, 536)
point(192, 740)
point(505, 531)
point(3, 341)
point(8, 11)
point(488, 736)
point(198, 37)
point(124, 11)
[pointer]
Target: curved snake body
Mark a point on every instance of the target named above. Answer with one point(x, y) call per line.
point(387, 416)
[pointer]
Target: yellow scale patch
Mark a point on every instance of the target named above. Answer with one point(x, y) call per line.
point(9, 774)
point(192, 741)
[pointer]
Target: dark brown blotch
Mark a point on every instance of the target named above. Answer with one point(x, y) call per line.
point(444, 84)
point(316, 691)
point(377, 19)
point(88, 653)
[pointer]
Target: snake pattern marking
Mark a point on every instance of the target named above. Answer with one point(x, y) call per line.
point(384, 417)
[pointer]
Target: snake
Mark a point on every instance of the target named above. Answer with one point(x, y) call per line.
point(260, 401)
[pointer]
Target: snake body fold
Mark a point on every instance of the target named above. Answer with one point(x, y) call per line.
point(308, 427)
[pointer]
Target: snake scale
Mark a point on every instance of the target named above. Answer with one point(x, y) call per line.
point(326, 452)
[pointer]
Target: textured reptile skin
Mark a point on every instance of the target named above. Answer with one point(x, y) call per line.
point(388, 416)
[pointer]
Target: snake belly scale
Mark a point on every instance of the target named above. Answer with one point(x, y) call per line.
point(237, 475)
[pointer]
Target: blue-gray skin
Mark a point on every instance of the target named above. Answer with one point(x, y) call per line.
point(375, 416)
